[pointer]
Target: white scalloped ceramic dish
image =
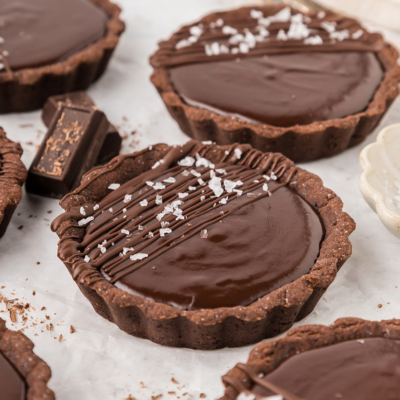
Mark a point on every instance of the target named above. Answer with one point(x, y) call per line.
point(380, 180)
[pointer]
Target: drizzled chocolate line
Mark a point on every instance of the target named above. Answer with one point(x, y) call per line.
point(239, 34)
point(102, 240)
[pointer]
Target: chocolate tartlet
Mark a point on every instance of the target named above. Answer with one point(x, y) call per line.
point(23, 375)
point(52, 48)
point(351, 359)
point(12, 176)
point(203, 246)
point(308, 85)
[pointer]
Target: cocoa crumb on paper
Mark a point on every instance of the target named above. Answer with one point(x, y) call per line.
point(156, 397)
point(173, 380)
point(72, 329)
point(379, 305)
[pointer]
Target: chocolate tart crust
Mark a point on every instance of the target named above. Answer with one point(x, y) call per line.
point(300, 143)
point(28, 89)
point(11, 179)
point(210, 328)
point(18, 349)
point(267, 357)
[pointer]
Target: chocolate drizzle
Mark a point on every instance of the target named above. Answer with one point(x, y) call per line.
point(258, 31)
point(140, 223)
point(12, 171)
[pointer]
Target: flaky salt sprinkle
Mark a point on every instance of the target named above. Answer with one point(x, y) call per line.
point(340, 35)
point(215, 186)
point(150, 183)
point(238, 153)
point(228, 30)
point(281, 35)
point(165, 231)
point(192, 187)
point(171, 179)
point(196, 30)
point(202, 198)
point(195, 173)
point(85, 221)
point(138, 256)
point(114, 186)
point(96, 207)
point(127, 198)
point(186, 162)
point(144, 203)
point(358, 34)
point(224, 200)
point(321, 14)
point(159, 199)
point(314, 40)
point(183, 195)
point(87, 259)
point(265, 187)
point(329, 26)
point(158, 186)
point(82, 211)
point(157, 164)
point(125, 232)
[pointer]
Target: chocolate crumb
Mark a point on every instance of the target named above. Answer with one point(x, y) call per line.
point(33, 293)
point(156, 397)
point(173, 380)
point(13, 315)
point(37, 262)
point(379, 305)
point(20, 227)
point(60, 338)
point(202, 396)
point(72, 329)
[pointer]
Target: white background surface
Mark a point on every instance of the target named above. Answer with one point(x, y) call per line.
point(101, 362)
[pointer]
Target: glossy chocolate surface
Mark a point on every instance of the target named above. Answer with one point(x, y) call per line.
point(282, 90)
point(12, 384)
point(196, 235)
point(43, 32)
point(366, 369)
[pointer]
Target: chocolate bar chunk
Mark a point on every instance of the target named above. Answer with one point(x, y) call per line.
point(70, 148)
point(112, 144)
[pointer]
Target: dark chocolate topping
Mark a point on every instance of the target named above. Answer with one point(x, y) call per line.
point(196, 235)
point(12, 384)
point(12, 171)
point(282, 90)
point(367, 369)
point(43, 32)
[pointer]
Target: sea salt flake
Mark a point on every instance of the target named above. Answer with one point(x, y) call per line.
point(124, 210)
point(215, 49)
point(164, 224)
point(195, 173)
point(127, 198)
point(182, 43)
point(202, 198)
point(159, 186)
point(221, 171)
point(171, 179)
point(114, 186)
point(361, 341)
point(144, 203)
point(125, 232)
point(215, 186)
point(185, 172)
point(157, 164)
point(126, 250)
point(150, 235)
point(229, 185)
point(243, 48)
point(239, 192)
point(138, 256)
point(224, 200)
point(273, 176)
point(256, 14)
point(235, 39)
point(282, 16)
point(183, 195)
point(192, 187)
point(298, 31)
point(281, 35)
point(160, 216)
point(329, 26)
point(196, 31)
point(219, 22)
point(266, 22)
point(82, 211)
point(87, 259)
point(204, 234)
point(321, 14)
point(238, 154)
point(340, 35)
point(357, 35)
point(186, 162)
point(207, 142)
point(265, 187)
point(200, 181)
point(212, 174)
point(244, 396)
point(96, 207)
point(224, 49)
point(111, 209)
point(228, 30)
point(159, 199)
point(85, 221)
point(266, 177)
point(150, 183)
point(251, 195)
point(202, 162)
point(314, 40)
point(165, 231)
point(140, 227)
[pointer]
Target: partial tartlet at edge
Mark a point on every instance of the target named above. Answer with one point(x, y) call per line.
point(18, 349)
point(209, 328)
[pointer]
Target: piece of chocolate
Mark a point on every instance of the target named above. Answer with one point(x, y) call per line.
point(113, 141)
point(70, 148)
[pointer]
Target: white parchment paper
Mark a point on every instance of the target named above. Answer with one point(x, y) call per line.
point(99, 361)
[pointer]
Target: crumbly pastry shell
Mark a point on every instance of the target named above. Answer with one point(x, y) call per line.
point(300, 143)
point(28, 89)
point(11, 181)
point(267, 357)
point(18, 349)
point(210, 328)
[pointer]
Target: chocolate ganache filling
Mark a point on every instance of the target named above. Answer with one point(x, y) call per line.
point(281, 69)
point(12, 384)
point(196, 235)
point(366, 369)
point(43, 32)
